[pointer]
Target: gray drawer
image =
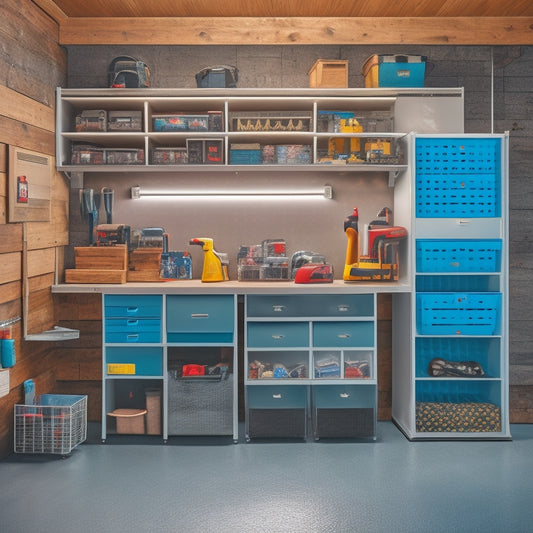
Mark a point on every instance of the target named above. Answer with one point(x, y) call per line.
point(200, 318)
point(343, 334)
point(278, 334)
point(276, 397)
point(310, 305)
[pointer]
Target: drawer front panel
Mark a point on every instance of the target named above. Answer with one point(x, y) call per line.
point(143, 305)
point(343, 397)
point(343, 334)
point(278, 334)
point(276, 397)
point(200, 314)
point(329, 305)
point(147, 361)
point(132, 330)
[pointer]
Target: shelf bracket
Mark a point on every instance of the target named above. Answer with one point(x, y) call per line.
point(76, 179)
point(393, 175)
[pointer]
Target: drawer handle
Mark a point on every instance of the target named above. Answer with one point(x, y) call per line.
point(199, 315)
point(276, 396)
point(343, 308)
point(133, 322)
point(344, 395)
point(133, 338)
point(133, 309)
point(343, 335)
point(278, 308)
point(278, 337)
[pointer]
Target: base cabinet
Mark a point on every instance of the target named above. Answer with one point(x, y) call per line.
point(311, 366)
point(170, 365)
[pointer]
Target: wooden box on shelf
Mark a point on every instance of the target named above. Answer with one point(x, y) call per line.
point(144, 264)
point(99, 264)
point(329, 73)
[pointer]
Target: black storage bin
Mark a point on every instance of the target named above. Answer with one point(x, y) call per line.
point(212, 77)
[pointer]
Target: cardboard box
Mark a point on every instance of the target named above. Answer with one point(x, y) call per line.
point(329, 73)
point(394, 71)
point(130, 421)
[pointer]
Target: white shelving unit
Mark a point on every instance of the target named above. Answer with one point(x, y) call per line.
point(458, 310)
point(374, 107)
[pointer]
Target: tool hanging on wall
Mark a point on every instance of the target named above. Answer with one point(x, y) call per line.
point(108, 196)
point(89, 206)
point(381, 263)
point(215, 263)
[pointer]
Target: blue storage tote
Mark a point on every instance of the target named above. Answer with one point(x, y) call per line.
point(458, 314)
point(450, 255)
point(394, 70)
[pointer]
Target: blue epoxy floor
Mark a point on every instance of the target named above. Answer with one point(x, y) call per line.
point(391, 485)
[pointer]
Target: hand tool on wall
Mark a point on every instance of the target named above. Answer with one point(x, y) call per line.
point(108, 195)
point(88, 210)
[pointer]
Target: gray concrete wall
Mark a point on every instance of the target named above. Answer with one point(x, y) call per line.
point(498, 83)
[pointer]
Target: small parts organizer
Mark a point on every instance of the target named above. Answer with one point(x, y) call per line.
point(56, 425)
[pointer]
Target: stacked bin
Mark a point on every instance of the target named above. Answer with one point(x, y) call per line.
point(460, 286)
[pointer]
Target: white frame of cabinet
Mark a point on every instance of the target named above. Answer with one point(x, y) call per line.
point(164, 345)
point(71, 101)
point(310, 349)
point(405, 333)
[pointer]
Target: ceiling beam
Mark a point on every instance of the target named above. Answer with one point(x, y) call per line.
point(296, 31)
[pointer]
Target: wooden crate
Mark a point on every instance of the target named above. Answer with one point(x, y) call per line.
point(329, 73)
point(102, 257)
point(144, 264)
point(99, 264)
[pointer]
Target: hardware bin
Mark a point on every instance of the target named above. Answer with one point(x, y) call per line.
point(200, 405)
point(56, 425)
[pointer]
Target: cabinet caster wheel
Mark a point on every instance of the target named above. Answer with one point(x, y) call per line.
point(103, 441)
point(248, 439)
point(235, 441)
point(165, 441)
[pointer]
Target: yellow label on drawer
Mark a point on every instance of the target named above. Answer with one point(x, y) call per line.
point(121, 368)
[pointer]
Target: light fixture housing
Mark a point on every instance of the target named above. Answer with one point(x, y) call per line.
point(325, 192)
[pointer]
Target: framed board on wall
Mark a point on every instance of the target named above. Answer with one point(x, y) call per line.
point(29, 186)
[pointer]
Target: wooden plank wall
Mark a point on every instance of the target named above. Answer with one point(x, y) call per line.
point(32, 64)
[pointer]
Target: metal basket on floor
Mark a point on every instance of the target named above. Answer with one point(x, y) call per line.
point(56, 425)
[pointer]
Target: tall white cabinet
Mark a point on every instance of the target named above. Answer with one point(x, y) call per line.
point(450, 332)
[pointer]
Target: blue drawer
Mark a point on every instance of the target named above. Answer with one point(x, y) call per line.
point(278, 334)
point(343, 334)
point(343, 397)
point(132, 330)
point(310, 305)
point(276, 397)
point(132, 305)
point(200, 319)
point(147, 361)
point(474, 313)
point(444, 255)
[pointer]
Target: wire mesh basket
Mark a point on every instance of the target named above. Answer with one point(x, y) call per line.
point(56, 425)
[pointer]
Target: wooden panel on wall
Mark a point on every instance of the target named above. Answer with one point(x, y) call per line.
point(296, 30)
